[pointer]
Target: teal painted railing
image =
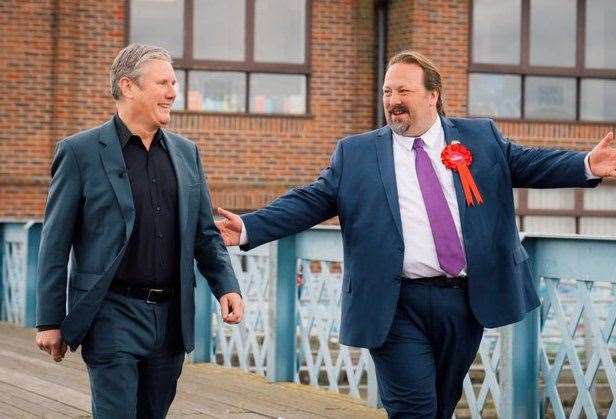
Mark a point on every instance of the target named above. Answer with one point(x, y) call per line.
point(292, 292)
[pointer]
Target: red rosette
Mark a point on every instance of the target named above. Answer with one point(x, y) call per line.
point(458, 158)
point(455, 154)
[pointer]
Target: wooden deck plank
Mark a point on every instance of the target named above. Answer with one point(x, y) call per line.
point(46, 404)
point(31, 385)
point(8, 411)
point(79, 400)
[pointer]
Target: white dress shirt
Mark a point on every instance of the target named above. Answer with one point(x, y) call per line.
point(420, 259)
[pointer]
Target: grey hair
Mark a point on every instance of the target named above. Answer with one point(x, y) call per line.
point(129, 62)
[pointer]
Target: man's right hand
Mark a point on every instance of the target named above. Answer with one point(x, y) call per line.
point(51, 342)
point(230, 228)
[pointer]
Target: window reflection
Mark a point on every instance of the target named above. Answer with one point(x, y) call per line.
point(496, 43)
point(598, 102)
point(495, 95)
point(600, 34)
point(180, 84)
point(278, 93)
point(280, 31)
point(553, 32)
point(158, 22)
point(219, 28)
point(217, 91)
point(550, 98)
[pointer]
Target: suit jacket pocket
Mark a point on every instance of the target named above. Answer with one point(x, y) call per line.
point(346, 283)
point(84, 281)
point(519, 255)
point(193, 193)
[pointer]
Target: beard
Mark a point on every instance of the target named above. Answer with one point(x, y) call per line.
point(398, 126)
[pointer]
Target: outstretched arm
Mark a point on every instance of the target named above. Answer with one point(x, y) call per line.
point(533, 167)
point(298, 210)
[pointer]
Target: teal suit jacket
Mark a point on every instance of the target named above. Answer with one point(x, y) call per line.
point(89, 218)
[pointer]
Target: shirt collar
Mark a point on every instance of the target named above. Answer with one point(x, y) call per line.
point(124, 134)
point(429, 137)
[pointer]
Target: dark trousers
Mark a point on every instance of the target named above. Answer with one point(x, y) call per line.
point(432, 343)
point(134, 355)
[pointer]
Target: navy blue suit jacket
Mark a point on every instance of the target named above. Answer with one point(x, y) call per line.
point(360, 188)
point(90, 211)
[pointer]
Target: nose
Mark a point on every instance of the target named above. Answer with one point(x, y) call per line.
point(171, 91)
point(394, 99)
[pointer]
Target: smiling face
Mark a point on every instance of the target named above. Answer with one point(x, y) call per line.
point(410, 109)
point(151, 95)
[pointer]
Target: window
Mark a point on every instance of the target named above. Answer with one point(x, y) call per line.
point(579, 211)
point(231, 56)
point(543, 60)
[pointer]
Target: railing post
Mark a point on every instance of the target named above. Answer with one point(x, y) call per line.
point(374, 400)
point(521, 400)
point(203, 320)
point(33, 239)
point(2, 228)
point(282, 352)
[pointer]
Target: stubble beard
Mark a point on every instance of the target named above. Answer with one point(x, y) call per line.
point(400, 127)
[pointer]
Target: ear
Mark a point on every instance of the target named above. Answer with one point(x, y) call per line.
point(434, 94)
point(127, 86)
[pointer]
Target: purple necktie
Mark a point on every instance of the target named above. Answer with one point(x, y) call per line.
point(446, 240)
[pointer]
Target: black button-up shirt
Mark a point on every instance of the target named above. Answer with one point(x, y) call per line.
point(152, 256)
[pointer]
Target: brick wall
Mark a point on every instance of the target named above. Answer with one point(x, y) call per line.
point(26, 72)
point(55, 60)
point(55, 57)
point(249, 159)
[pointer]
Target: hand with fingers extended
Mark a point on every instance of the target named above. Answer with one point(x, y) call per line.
point(51, 341)
point(231, 308)
point(230, 228)
point(602, 159)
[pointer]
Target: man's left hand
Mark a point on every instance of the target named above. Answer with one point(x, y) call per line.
point(231, 308)
point(602, 158)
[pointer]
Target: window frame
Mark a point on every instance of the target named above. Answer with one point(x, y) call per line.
point(188, 63)
point(578, 212)
point(525, 69)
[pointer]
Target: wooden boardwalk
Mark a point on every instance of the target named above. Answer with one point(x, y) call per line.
point(33, 386)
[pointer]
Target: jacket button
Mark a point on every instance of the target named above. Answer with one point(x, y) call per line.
point(401, 250)
point(121, 175)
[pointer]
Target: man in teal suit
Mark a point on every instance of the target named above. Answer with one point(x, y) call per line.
point(128, 212)
point(428, 263)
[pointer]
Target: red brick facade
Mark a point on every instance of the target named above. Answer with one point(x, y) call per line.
point(55, 61)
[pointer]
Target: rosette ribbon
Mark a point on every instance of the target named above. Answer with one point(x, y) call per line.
point(459, 158)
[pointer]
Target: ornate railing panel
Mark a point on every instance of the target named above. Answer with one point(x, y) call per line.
point(486, 392)
point(558, 361)
point(13, 274)
point(322, 359)
point(19, 254)
point(585, 320)
point(246, 346)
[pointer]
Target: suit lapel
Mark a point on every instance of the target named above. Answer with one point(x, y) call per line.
point(115, 167)
point(178, 162)
point(385, 156)
point(451, 134)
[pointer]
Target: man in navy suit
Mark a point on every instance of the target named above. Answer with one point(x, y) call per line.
point(425, 271)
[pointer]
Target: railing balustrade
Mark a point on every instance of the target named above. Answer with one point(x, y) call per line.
point(557, 362)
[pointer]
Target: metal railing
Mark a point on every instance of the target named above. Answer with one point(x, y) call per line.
point(556, 362)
